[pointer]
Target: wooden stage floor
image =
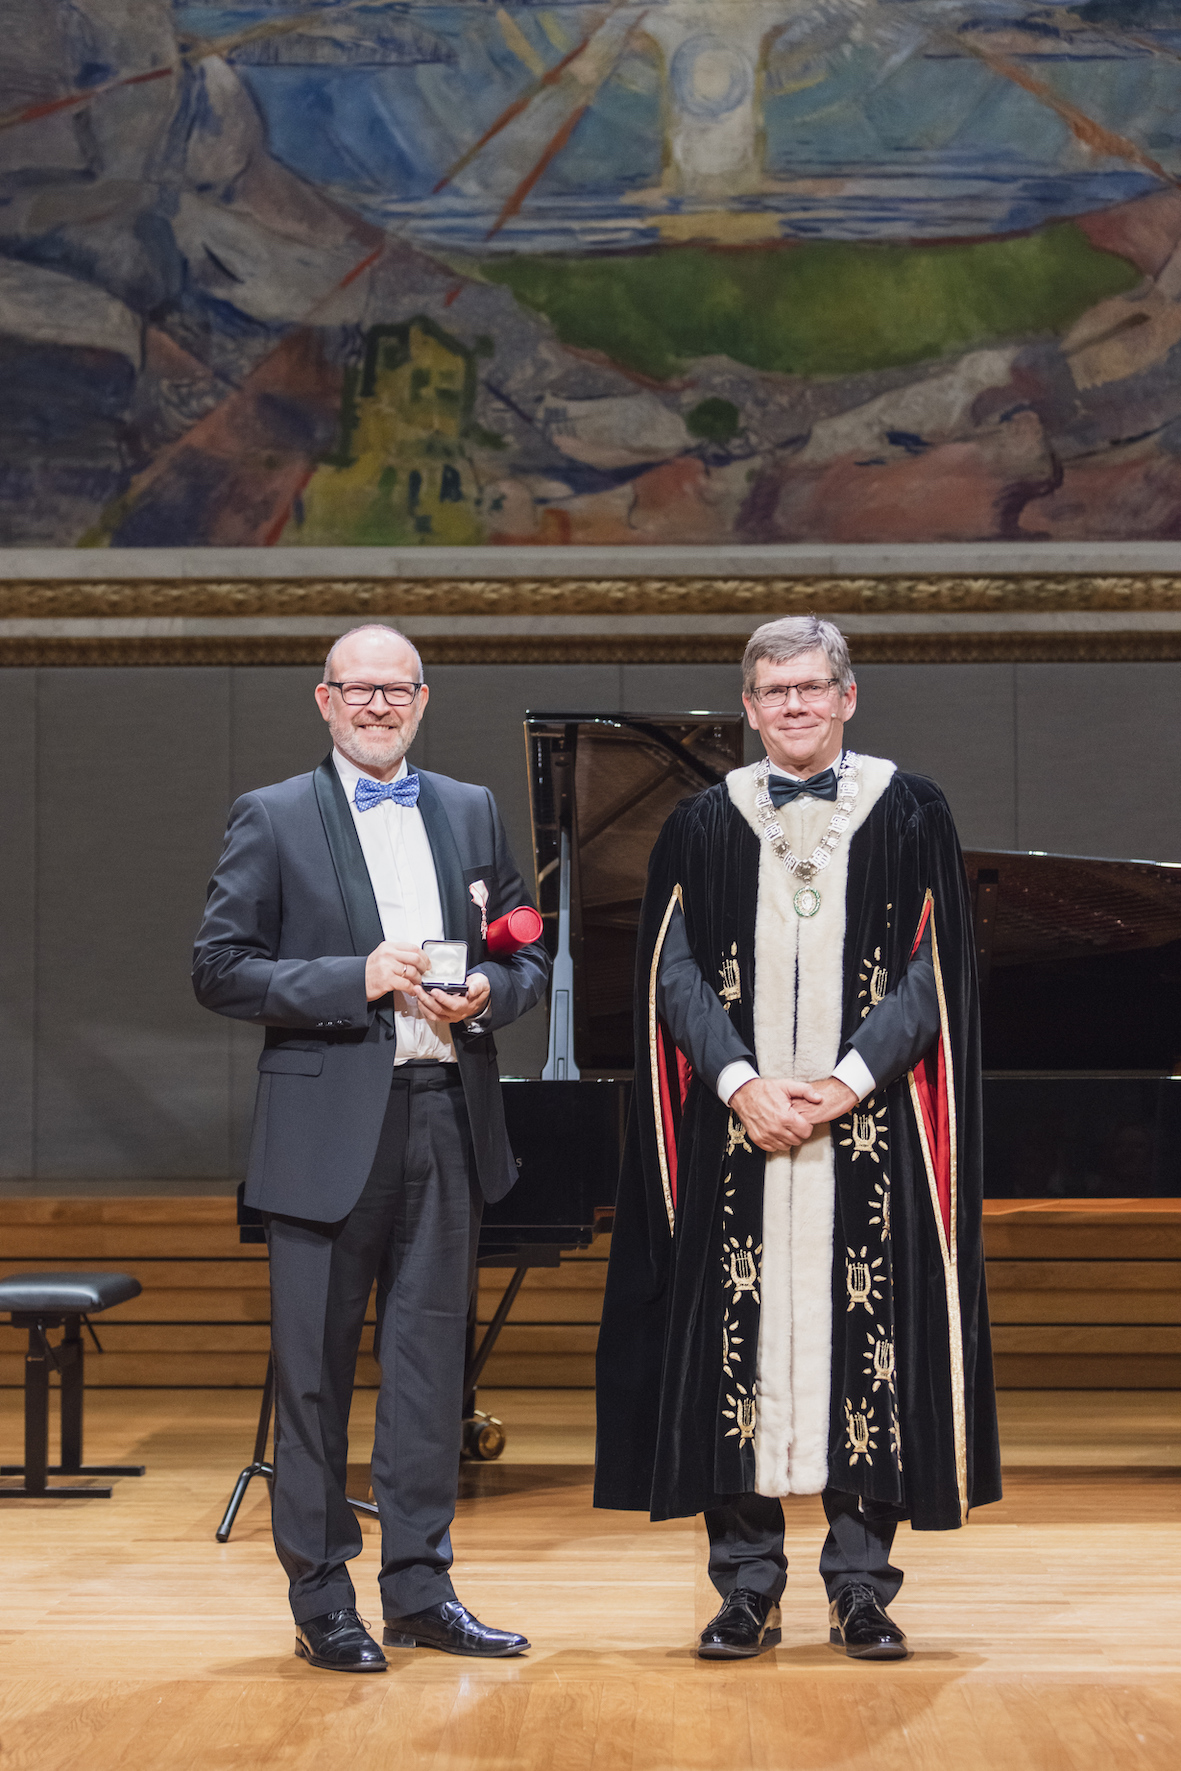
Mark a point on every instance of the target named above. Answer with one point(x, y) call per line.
point(1047, 1636)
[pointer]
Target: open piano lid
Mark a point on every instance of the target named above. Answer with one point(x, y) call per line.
point(1062, 907)
point(601, 787)
point(1080, 962)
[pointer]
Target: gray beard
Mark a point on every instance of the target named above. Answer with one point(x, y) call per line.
point(373, 755)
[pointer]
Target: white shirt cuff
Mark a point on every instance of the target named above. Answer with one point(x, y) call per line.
point(732, 1078)
point(855, 1073)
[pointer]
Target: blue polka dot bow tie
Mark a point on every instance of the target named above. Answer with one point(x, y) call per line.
point(822, 786)
point(370, 793)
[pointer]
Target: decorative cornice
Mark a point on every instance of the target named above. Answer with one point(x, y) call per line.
point(386, 597)
point(1145, 646)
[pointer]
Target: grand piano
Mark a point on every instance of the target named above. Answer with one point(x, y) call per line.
point(1080, 972)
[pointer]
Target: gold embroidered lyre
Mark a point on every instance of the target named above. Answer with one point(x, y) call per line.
point(858, 1431)
point(743, 1272)
point(860, 1282)
point(877, 984)
point(746, 1418)
point(883, 1361)
point(865, 1134)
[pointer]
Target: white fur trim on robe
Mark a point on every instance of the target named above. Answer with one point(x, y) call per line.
point(799, 986)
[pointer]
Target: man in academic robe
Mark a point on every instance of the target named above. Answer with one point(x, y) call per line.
point(378, 1131)
point(795, 1298)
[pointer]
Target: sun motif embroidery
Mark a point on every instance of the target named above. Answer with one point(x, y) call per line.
point(730, 989)
point(742, 1412)
point(874, 978)
point(879, 1361)
point(742, 1267)
point(863, 1279)
point(730, 1340)
point(865, 1131)
point(728, 1192)
point(860, 1431)
point(736, 1137)
point(896, 1440)
point(880, 1200)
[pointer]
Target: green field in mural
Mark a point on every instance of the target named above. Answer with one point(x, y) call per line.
point(824, 309)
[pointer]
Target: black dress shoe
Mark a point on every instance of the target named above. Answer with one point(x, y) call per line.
point(339, 1642)
point(747, 1623)
point(451, 1627)
point(857, 1620)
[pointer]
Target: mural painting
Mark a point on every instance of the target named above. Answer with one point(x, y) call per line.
point(453, 273)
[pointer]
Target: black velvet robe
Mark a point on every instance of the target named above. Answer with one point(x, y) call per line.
point(912, 1413)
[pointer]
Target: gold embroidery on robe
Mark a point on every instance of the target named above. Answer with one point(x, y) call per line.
point(860, 1431)
point(730, 989)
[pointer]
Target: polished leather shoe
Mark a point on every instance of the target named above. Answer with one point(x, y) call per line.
point(451, 1627)
point(857, 1620)
point(747, 1624)
point(339, 1642)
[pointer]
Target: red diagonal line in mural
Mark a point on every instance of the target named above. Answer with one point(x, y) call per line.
point(557, 142)
point(47, 107)
point(549, 78)
point(1083, 127)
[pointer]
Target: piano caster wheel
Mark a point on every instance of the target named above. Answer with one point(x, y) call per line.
point(483, 1438)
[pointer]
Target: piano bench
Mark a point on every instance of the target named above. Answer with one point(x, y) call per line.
point(39, 1302)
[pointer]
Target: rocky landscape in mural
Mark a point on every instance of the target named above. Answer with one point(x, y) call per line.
point(696, 272)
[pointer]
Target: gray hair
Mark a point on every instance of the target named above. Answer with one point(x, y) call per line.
point(788, 638)
point(371, 627)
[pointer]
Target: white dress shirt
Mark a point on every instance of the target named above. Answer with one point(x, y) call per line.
point(852, 1070)
point(401, 867)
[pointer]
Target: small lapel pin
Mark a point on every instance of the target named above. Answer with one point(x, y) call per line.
point(479, 897)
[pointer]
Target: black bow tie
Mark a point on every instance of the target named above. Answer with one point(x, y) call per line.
point(822, 786)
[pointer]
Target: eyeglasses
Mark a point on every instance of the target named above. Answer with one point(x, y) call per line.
point(777, 694)
point(361, 694)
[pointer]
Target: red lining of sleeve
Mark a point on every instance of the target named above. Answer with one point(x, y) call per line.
point(930, 1077)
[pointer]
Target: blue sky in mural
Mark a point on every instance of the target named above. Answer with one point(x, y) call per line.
point(377, 101)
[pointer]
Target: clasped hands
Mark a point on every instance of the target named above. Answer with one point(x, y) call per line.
point(780, 1113)
point(393, 966)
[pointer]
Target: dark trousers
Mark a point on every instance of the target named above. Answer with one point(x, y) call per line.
point(414, 1229)
point(746, 1546)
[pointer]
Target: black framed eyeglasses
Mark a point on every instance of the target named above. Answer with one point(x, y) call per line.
point(361, 694)
point(815, 689)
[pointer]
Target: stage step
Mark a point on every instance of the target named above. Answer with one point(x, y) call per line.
point(1084, 1294)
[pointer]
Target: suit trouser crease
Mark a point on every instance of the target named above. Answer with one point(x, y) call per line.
point(746, 1546)
point(414, 1230)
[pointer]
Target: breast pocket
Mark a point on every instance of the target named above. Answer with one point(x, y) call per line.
point(479, 880)
point(278, 1060)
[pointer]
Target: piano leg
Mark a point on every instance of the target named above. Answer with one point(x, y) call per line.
point(484, 1437)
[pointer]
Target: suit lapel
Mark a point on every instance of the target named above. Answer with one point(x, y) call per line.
point(448, 867)
point(351, 872)
point(352, 875)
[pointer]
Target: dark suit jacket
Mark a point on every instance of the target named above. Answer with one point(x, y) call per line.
point(289, 922)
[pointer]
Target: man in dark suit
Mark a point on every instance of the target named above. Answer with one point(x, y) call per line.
point(378, 1131)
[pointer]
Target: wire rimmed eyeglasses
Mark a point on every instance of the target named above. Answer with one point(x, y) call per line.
point(361, 694)
point(774, 695)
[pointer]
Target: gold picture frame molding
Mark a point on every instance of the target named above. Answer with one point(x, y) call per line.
point(864, 648)
point(876, 594)
point(40, 619)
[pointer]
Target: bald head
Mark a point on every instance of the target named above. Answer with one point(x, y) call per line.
point(380, 639)
point(373, 732)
